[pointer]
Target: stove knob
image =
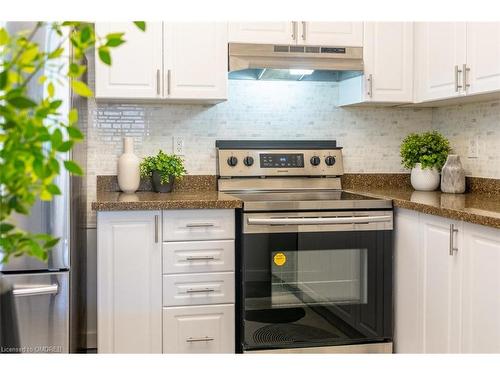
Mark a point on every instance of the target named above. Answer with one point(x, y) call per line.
point(330, 160)
point(248, 161)
point(315, 160)
point(232, 161)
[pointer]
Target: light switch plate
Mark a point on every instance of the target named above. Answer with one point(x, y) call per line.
point(178, 145)
point(473, 147)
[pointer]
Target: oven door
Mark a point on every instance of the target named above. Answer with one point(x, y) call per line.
point(314, 279)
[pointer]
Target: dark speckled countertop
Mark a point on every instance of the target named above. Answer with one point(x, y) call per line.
point(471, 207)
point(147, 200)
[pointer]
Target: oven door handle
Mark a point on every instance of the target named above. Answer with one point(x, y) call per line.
point(318, 220)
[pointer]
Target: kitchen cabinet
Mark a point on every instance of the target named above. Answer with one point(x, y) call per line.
point(136, 67)
point(199, 329)
point(483, 57)
point(198, 281)
point(446, 276)
point(129, 279)
point(170, 61)
point(440, 50)
point(456, 59)
point(262, 32)
point(481, 290)
point(348, 34)
point(388, 66)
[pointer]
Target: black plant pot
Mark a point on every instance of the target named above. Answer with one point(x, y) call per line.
point(158, 186)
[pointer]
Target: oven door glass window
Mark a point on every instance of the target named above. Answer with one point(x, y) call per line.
point(307, 289)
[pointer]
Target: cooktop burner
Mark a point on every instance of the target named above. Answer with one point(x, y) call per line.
point(308, 200)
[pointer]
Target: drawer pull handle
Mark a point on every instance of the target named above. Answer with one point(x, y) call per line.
point(201, 258)
point(200, 225)
point(204, 290)
point(198, 339)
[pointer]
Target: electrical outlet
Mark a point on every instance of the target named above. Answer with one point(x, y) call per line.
point(473, 147)
point(178, 145)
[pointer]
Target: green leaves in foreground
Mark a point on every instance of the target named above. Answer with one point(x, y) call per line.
point(34, 136)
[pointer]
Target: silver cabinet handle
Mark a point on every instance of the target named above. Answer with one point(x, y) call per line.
point(457, 73)
point(32, 290)
point(169, 78)
point(208, 257)
point(369, 79)
point(200, 225)
point(203, 290)
point(198, 339)
point(158, 82)
point(318, 220)
point(465, 70)
point(294, 30)
point(453, 230)
point(303, 30)
point(156, 228)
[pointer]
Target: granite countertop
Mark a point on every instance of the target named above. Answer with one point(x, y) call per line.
point(147, 200)
point(473, 207)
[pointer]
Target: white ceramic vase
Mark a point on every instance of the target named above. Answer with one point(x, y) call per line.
point(128, 168)
point(424, 179)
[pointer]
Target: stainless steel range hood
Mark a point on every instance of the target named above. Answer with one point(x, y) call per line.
point(270, 56)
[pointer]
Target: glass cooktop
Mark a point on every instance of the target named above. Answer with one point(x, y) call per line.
point(308, 200)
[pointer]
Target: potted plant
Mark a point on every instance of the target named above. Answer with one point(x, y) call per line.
point(425, 154)
point(163, 169)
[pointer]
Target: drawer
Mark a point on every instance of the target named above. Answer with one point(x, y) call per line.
point(199, 329)
point(198, 289)
point(198, 256)
point(191, 225)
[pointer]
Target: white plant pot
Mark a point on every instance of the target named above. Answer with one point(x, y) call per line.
point(424, 179)
point(128, 168)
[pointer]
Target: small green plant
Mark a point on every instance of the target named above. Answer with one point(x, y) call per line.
point(430, 149)
point(166, 165)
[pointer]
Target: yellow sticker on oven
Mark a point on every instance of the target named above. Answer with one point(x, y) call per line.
point(279, 259)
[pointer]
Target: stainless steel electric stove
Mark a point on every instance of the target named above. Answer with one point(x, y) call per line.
point(314, 263)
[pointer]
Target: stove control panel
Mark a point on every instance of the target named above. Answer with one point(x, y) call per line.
point(280, 162)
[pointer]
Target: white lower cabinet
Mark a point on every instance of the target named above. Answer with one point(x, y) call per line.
point(129, 299)
point(447, 278)
point(199, 329)
point(198, 281)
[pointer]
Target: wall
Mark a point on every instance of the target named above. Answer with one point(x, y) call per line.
point(255, 110)
point(461, 123)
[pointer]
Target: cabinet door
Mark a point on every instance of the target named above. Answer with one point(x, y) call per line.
point(483, 57)
point(196, 60)
point(481, 290)
point(348, 34)
point(440, 47)
point(129, 299)
point(441, 308)
point(136, 65)
point(388, 58)
point(199, 329)
point(408, 259)
point(262, 32)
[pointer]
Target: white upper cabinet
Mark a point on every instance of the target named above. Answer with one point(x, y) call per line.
point(483, 57)
point(136, 65)
point(388, 66)
point(170, 61)
point(349, 34)
point(440, 49)
point(195, 60)
point(481, 290)
point(262, 32)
